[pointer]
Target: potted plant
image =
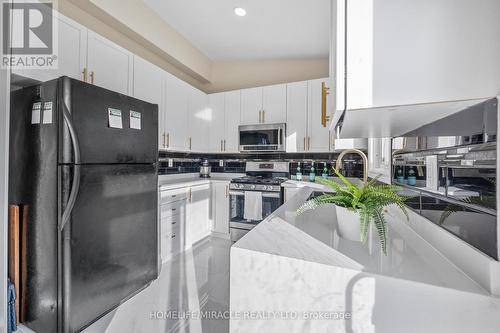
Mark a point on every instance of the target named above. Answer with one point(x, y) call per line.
point(357, 207)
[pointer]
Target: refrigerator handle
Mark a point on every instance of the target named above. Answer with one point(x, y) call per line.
point(65, 101)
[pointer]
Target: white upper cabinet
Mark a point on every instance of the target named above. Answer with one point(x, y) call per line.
point(225, 111)
point(305, 132)
point(148, 86)
point(263, 105)
point(199, 120)
point(110, 66)
point(297, 117)
point(251, 106)
point(318, 139)
point(176, 107)
point(403, 52)
point(217, 124)
point(72, 53)
point(274, 104)
point(232, 107)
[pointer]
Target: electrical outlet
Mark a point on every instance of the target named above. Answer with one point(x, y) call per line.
point(170, 162)
point(221, 163)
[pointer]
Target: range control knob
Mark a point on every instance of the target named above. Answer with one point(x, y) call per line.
point(252, 187)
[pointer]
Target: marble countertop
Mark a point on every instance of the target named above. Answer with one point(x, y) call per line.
point(314, 237)
point(166, 182)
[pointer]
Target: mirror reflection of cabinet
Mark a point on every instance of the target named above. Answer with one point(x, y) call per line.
point(380, 159)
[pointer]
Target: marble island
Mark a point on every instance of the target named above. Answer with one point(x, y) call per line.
point(301, 266)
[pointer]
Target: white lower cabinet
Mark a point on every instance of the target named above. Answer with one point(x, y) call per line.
point(197, 214)
point(220, 208)
point(172, 211)
point(290, 192)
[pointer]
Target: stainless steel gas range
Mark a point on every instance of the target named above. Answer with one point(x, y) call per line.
point(254, 197)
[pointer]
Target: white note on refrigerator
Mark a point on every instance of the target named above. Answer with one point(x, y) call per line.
point(115, 118)
point(47, 113)
point(135, 120)
point(35, 113)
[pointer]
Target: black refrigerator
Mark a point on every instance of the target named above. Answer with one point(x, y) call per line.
point(83, 160)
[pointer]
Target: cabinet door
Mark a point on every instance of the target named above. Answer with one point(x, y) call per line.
point(198, 214)
point(198, 122)
point(176, 110)
point(296, 126)
point(274, 104)
point(251, 106)
point(220, 207)
point(110, 66)
point(318, 136)
point(148, 86)
point(216, 109)
point(232, 115)
point(72, 54)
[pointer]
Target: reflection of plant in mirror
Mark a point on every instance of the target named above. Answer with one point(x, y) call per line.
point(484, 201)
point(367, 201)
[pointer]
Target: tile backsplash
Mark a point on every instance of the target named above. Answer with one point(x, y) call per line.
point(235, 163)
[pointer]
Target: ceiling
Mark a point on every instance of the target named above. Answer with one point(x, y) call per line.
point(272, 29)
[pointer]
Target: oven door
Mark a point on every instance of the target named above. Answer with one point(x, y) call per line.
point(264, 137)
point(270, 202)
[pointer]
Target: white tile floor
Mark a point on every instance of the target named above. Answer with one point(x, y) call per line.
point(195, 281)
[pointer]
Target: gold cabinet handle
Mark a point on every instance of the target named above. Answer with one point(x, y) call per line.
point(227, 191)
point(164, 140)
point(84, 74)
point(190, 195)
point(190, 142)
point(260, 117)
point(324, 94)
point(168, 140)
point(308, 143)
point(92, 77)
point(305, 148)
point(224, 144)
point(263, 116)
point(221, 149)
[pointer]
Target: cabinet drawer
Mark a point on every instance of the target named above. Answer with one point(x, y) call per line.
point(173, 195)
point(170, 244)
point(172, 208)
point(169, 225)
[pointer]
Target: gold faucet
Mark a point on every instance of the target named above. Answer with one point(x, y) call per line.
point(338, 165)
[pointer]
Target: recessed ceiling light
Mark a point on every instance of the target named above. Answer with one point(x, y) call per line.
point(240, 11)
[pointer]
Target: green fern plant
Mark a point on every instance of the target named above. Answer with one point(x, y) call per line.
point(368, 201)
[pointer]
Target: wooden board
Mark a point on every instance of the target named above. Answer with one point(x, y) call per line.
point(14, 255)
point(24, 263)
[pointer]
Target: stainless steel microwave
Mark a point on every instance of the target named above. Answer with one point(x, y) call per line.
point(262, 137)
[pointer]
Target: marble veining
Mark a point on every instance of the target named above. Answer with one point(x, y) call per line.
point(301, 265)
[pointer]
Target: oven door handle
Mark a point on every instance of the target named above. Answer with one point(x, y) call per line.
point(264, 194)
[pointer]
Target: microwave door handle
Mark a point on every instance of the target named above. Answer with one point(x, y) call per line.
point(76, 151)
point(279, 136)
